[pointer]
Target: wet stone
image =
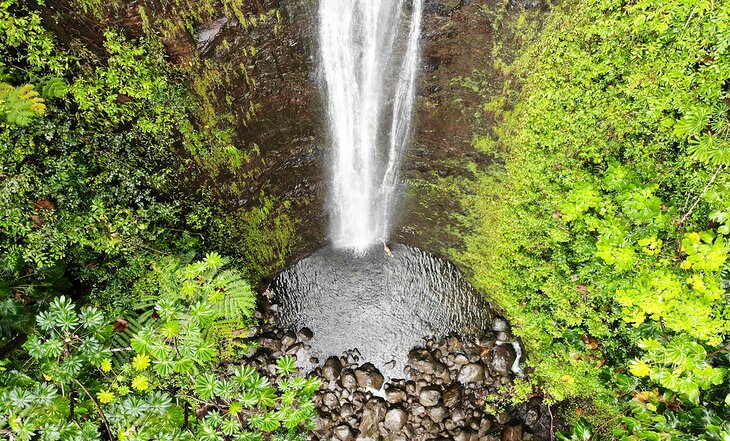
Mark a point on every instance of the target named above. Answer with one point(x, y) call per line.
point(421, 360)
point(437, 414)
point(500, 324)
point(330, 400)
point(372, 414)
point(343, 433)
point(368, 376)
point(503, 358)
point(471, 373)
point(348, 379)
point(332, 369)
point(288, 339)
point(512, 433)
point(395, 395)
point(429, 396)
point(395, 419)
point(452, 396)
point(305, 334)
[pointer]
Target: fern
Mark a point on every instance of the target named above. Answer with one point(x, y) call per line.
point(18, 105)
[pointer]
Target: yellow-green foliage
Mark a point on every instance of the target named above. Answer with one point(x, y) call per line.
point(608, 224)
point(19, 104)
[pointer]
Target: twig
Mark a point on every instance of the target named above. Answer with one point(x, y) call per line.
point(704, 190)
point(717, 351)
point(98, 408)
point(697, 201)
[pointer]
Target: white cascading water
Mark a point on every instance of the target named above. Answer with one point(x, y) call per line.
point(369, 54)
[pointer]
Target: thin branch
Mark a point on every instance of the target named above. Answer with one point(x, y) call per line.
point(686, 215)
point(717, 351)
point(98, 408)
point(704, 190)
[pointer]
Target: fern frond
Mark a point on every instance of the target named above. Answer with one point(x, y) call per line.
point(20, 104)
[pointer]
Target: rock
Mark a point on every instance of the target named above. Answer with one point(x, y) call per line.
point(305, 334)
point(505, 337)
point(421, 360)
point(452, 396)
point(512, 433)
point(368, 376)
point(272, 344)
point(330, 400)
point(460, 360)
point(471, 373)
point(346, 411)
point(348, 379)
point(457, 416)
point(343, 433)
point(323, 425)
point(394, 395)
point(500, 324)
point(532, 416)
point(288, 339)
point(395, 419)
point(484, 427)
point(461, 435)
point(503, 357)
point(437, 414)
point(411, 387)
point(502, 418)
point(373, 413)
point(429, 396)
point(331, 369)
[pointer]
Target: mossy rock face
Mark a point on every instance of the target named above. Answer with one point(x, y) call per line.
point(465, 48)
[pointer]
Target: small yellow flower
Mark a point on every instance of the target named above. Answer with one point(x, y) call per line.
point(568, 379)
point(106, 365)
point(105, 396)
point(141, 362)
point(47, 377)
point(140, 382)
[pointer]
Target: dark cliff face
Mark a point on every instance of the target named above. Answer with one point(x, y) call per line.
point(270, 98)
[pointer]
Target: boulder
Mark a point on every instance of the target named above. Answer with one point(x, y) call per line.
point(368, 376)
point(395, 419)
point(503, 357)
point(471, 373)
point(429, 396)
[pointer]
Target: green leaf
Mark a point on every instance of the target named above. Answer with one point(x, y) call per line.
point(206, 385)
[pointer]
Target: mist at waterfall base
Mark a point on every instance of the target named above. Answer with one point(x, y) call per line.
point(369, 61)
point(381, 305)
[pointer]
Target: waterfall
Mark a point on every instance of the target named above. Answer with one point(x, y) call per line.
point(369, 56)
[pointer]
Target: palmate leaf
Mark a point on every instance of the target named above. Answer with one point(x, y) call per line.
point(693, 122)
point(710, 149)
point(248, 436)
point(206, 386)
point(286, 365)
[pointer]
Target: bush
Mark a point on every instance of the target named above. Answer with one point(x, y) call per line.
point(605, 235)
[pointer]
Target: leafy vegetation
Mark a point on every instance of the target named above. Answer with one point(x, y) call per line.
point(169, 383)
point(604, 235)
point(99, 148)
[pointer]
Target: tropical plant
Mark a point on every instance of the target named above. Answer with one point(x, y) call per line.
point(77, 385)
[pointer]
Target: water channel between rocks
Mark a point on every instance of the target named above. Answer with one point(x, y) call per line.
point(381, 305)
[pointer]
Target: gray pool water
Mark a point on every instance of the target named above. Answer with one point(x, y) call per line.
point(382, 305)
